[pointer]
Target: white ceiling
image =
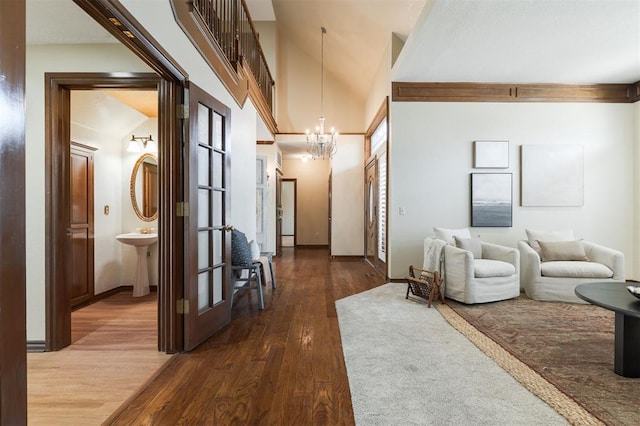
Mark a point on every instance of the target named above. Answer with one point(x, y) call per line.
point(527, 41)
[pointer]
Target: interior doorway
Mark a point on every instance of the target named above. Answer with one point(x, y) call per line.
point(289, 211)
point(61, 211)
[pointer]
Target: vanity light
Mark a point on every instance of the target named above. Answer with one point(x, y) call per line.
point(147, 142)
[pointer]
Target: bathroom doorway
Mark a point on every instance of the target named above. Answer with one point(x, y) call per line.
point(62, 261)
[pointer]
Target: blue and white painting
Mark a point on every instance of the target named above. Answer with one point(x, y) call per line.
point(491, 199)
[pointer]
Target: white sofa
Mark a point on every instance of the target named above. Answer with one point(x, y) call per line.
point(556, 279)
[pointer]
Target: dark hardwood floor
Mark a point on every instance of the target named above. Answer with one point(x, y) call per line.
point(280, 366)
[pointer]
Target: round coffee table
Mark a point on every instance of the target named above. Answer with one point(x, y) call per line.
point(615, 297)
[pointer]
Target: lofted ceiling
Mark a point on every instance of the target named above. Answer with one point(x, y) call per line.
point(528, 41)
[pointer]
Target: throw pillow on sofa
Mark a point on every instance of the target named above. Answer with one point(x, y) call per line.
point(470, 244)
point(534, 236)
point(448, 234)
point(562, 250)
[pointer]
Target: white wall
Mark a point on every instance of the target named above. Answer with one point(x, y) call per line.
point(270, 152)
point(347, 196)
point(288, 208)
point(431, 159)
point(130, 221)
point(41, 59)
point(298, 100)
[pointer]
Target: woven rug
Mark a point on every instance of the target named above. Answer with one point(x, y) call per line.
point(568, 345)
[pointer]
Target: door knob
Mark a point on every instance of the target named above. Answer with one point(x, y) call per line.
point(227, 228)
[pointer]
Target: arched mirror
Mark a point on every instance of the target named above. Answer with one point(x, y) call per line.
point(144, 187)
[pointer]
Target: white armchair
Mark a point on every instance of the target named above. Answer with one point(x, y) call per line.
point(481, 273)
point(555, 280)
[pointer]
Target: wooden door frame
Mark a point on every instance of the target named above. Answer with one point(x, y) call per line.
point(58, 89)
point(13, 356)
point(295, 208)
point(170, 81)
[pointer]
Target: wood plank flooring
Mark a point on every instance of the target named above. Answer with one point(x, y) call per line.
point(283, 365)
point(114, 352)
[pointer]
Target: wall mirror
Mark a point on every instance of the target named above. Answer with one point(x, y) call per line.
point(144, 187)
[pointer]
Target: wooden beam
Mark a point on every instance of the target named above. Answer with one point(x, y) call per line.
point(513, 92)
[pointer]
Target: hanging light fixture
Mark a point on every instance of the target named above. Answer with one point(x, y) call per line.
point(320, 144)
point(142, 143)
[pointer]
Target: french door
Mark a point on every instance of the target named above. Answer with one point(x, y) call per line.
point(208, 291)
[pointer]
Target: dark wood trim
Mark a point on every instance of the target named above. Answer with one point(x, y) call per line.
point(304, 134)
point(236, 77)
point(57, 116)
point(13, 334)
point(511, 92)
point(98, 297)
point(258, 100)
point(635, 91)
point(313, 246)
point(265, 142)
point(381, 114)
point(345, 258)
point(116, 19)
point(35, 346)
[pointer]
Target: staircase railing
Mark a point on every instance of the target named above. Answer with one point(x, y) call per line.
point(230, 25)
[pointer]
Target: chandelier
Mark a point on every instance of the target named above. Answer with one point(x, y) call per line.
point(320, 144)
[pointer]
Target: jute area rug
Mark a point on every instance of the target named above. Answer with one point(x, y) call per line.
point(407, 366)
point(569, 345)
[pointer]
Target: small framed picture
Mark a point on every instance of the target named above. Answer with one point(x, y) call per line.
point(491, 154)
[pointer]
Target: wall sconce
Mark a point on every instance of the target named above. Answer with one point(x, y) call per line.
point(142, 143)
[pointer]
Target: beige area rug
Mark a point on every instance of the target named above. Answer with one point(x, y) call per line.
point(408, 366)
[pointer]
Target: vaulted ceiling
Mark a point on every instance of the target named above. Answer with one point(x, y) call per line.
point(528, 41)
point(533, 41)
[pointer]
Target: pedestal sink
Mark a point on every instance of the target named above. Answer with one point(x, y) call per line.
point(141, 242)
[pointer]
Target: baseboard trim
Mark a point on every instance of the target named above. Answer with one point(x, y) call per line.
point(109, 293)
point(35, 346)
point(346, 258)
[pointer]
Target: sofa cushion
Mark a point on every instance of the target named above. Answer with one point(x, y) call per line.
point(470, 244)
point(562, 250)
point(448, 234)
point(534, 236)
point(575, 269)
point(485, 268)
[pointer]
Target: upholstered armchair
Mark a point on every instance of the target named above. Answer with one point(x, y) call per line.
point(478, 272)
point(553, 263)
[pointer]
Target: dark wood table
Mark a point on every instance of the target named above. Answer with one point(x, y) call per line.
point(615, 297)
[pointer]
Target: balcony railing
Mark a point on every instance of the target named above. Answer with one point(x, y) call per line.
point(230, 25)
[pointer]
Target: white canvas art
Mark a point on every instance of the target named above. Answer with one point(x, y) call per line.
point(552, 175)
point(491, 154)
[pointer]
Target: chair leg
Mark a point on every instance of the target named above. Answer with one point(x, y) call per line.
point(259, 284)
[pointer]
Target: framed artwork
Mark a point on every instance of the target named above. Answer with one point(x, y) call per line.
point(491, 199)
point(491, 154)
point(552, 175)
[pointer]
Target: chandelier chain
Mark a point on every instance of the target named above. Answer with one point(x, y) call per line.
point(320, 144)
